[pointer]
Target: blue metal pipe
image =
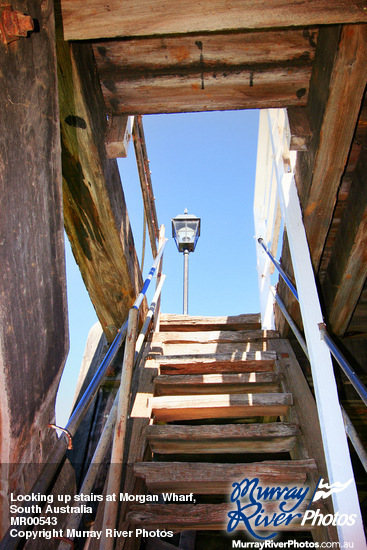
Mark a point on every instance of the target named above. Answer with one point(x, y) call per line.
point(280, 269)
point(347, 369)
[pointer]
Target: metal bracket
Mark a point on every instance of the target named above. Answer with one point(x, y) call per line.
point(14, 24)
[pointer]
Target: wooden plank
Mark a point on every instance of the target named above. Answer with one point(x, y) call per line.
point(171, 322)
point(202, 89)
point(146, 186)
point(252, 361)
point(95, 213)
point(192, 407)
point(96, 20)
point(33, 312)
point(323, 168)
point(216, 383)
point(347, 270)
point(180, 517)
point(230, 438)
point(214, 349)
point(213, 336)
point(301, 133)
point(292, 46)
point(210, 479)
point(118, 136)
point(201, 72)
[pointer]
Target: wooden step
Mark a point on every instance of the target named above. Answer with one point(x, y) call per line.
point(190, 407)
point(193, 343)
point(276, 437)
point(181, 517)
point(171, 322)
point(210, 479)
point(211, 348)
point(213, 337)
point(252, 361)
point(204, 384)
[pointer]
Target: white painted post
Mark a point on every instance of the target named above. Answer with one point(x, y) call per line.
point(331, 421)
point(263, 178)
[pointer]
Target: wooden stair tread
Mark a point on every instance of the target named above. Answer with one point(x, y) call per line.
point(224, 438)
point(211, 478)
point(183, 407)
point(213, 336)
point(186, 384)
point(172, 322)
point(252, 361)
point(203, 348)
point(180, 517)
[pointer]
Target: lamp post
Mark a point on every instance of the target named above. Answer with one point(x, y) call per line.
point(186, 231)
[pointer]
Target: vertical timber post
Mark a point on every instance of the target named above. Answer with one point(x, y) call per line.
point(117, 454)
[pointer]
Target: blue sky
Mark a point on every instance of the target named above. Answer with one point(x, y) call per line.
point(204, 162)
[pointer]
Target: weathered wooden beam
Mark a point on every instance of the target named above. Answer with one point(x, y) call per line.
point(96, 218)
point(171, 322)
point(96, 20)
point(237, 361)
point(223, 438)
point(203, 89)
point(146, 183)
point(205, 384)
point(33, 311)
point(214, 336)
point(203, 72)
point(188, 407)
point(212, 478)
point(336, 92)
point(347, 270)
point(136, 56)
point(118, 136)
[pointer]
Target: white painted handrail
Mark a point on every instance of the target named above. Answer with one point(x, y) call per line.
point(275, 184)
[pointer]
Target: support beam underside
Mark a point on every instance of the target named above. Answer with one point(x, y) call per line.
point(94, 19)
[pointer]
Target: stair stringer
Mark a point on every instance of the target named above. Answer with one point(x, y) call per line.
point(304, 413)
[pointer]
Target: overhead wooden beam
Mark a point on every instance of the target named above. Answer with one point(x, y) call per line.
point(206, 72)
point(347, 270)
point(95, 19)
point(336, 92)
point(96, 218)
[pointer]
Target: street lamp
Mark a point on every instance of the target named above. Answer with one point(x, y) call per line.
point(186, 231)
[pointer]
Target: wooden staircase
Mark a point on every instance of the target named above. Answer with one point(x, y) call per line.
point(230, 402)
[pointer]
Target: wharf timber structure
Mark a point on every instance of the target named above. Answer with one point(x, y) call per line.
point(73, 74)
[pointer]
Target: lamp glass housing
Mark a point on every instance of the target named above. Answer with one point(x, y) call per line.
point(186, 231)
